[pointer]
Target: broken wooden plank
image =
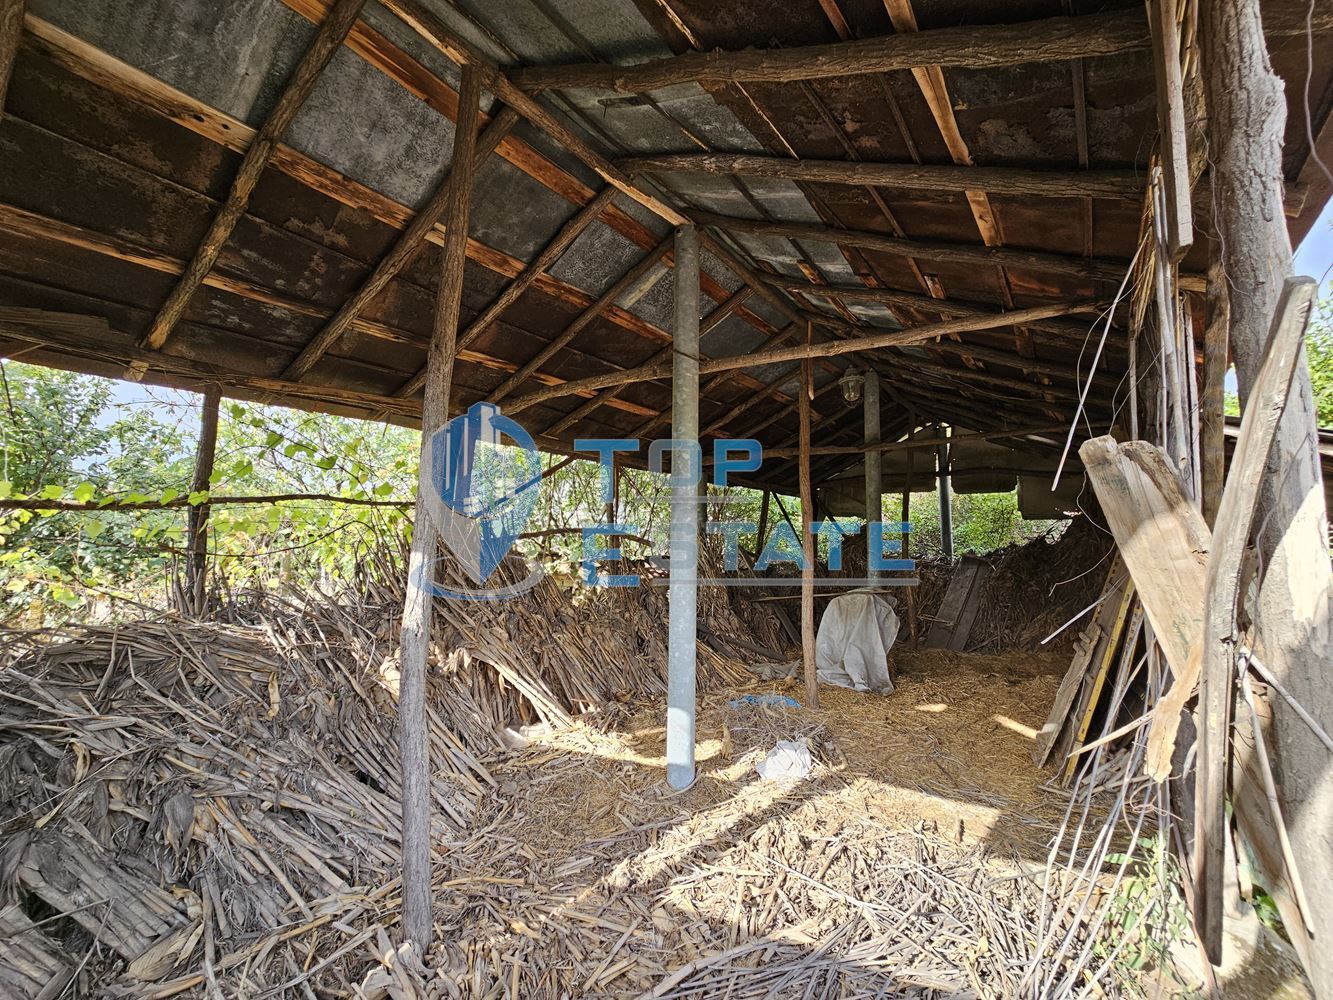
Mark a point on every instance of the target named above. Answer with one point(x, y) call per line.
point(1222, 592)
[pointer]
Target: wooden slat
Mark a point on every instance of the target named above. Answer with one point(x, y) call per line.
point(1171, 125)
point(1222, 592)
point(327, 41)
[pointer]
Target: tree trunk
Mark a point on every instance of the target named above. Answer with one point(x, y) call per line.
point(1246, 118)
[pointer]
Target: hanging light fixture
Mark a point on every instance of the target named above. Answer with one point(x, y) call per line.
point(850, 384)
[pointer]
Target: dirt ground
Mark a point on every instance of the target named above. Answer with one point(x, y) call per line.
point(903, 845)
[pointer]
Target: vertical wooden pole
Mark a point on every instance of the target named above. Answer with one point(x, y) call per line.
point(413, 734)
point(11, 29)
point(874, 480)
point(1293, 609)
point(196, 564)
point(1215, 347)
point(763, 524)
point(807, 539)
point(946, 498)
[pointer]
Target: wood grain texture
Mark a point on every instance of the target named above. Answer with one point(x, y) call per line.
point(1222, 592)
point(11, 30)
point(327, 41)
point(974, 46)
point(944, 178)
point(413, 732)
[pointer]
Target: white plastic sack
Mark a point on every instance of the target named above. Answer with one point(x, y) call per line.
point(855, 636)
point(789, 760)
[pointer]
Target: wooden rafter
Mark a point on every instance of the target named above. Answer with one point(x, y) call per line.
point(633, 283)
point(559, 243)
point(1092, 269)
point(948, 307)
point(952, 179)
point(708, 323)
point(328, 39)
point(406, 247)
point(21, 222)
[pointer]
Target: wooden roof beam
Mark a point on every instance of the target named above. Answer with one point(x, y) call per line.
point(21, 222)
point(974, 46)
point(949, 307)
point(328, 39)
point(1123, 185)
point(800, 352)
point(1040, 261)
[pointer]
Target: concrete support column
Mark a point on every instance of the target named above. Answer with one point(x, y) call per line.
point(946, 497)
point(874, 460)
point(683, 592)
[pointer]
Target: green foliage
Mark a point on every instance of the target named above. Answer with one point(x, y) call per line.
point(1319, 356)
point(76, 438)
point(1147, 913)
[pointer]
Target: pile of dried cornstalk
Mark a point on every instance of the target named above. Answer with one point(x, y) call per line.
point(215, 807)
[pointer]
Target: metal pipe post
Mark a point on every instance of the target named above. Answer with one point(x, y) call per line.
point(685, 491)
point(874, 460)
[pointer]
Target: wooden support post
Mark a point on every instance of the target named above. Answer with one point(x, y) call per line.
point(1293, 609)
point(949, 178)
point(807, 538)
point(1216, 345)
point(413, 732)
point(327, 41)
point(907, 518)
point(946, 497)
point(409, 243)
point(1179, 221)
point(874, 481)
point(196, 566)
point(763, 523)
point(11, 29)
